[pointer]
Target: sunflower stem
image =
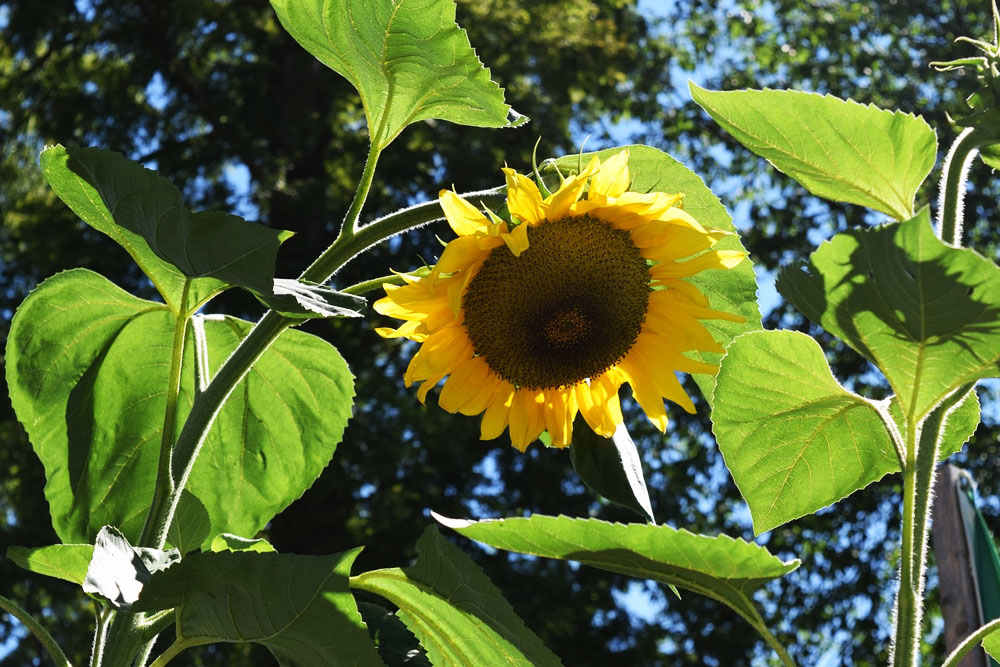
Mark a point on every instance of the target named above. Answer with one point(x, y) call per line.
point(37, 629)
point(954, 175)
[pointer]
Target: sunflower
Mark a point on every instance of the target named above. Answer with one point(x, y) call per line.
point(535, 321)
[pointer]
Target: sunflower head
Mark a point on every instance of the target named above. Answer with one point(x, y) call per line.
point(584, 290)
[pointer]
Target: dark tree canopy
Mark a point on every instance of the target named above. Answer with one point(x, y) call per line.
point(205, 89)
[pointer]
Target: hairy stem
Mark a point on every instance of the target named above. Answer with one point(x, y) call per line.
point(954, 175)
point(37, 629)
point(923, 445)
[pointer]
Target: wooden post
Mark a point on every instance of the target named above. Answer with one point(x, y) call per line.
point(959, 598)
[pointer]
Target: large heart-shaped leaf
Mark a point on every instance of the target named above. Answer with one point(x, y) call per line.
point(455, 611)
point(130, 198)
point(924, 312)
point(733, 290)
point(722, 568)
point(793, 439)
point(299, 607)
point(407, 58)
point(838, 149)
point(87, 367)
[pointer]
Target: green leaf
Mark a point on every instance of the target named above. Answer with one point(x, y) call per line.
point(407, 58)
point(837, 149)
point(229, 542)
point(721, 568)
point(211, 244)
point(793, 439)
point(733, 290)
point(991, 644)
point(83, 199)
point(991, 156)
point(302, 301)
point(920, 310)
point(611, 467)
point(87, 365)
point(455, 611)
point(62, 561)
point(299, 607)
point(395, 643)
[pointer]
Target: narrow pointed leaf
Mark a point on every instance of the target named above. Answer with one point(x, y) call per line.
point(611, 467)
point(87, 365)
point(722, 568)
point(920, 310)
point(63, 561)
point(407, 58)
point(837, 149)
point(455, 611)
point(793, 439)
point(733, 290)
point(299, 607)
point(230, 542)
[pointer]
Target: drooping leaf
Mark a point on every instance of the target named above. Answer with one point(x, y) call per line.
point(407, 58)
point(299, 607)
point(87, 365)
point(229, 542)
point(920, 310)
point(721, 568)
point(63, 561)
point(455, 611)
point(396, 645)
point(117, 572)
point(84, 200)
point(733, 290)
point(299, 300)
point(611, 467)
point(793, 439)
point(837, 149)
point(210, 244)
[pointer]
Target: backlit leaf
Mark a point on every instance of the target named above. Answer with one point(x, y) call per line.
point(407, 58)
point(63, 561)
point(87, 365)
point(838, 149)
point(922, 311)
point(721, 568)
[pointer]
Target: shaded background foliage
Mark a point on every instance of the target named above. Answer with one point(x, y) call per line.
point(218, 98)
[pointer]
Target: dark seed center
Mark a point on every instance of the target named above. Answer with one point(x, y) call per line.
point(568, 308)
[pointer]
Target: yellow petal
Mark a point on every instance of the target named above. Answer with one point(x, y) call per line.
point(613, 179)
point(716, 259)
point(427, 385)
point(523, 198)
point(464, 218)
point(460, 254)
point(599, 404)
point(557, 204)
point(497, 412)
point(560, 411)
point(517, 240)
point(526, 419)
point(440, 353)
point(413, 330)
point(470, 388)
